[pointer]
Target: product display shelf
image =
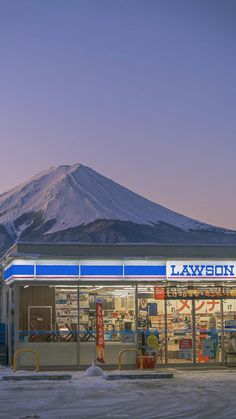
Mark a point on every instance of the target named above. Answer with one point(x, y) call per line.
point(66, 308)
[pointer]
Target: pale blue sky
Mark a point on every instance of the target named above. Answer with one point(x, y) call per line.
point(143, 91)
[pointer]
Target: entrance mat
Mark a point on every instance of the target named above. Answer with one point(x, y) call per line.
point(36, 377)
point(139, 376)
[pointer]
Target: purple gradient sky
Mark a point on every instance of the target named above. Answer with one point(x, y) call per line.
point(143, 91)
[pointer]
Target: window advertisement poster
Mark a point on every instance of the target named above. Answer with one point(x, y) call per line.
point(185, 348)
point(207, 347)
point(99, 333)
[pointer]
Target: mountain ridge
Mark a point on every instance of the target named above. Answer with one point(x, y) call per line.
point(77, 203)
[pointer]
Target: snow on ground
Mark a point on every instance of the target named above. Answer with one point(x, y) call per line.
point(190, 394)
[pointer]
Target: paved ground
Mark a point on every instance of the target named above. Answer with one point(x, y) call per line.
point(190, 394)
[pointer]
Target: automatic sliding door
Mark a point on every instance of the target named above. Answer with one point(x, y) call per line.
point(179, 331)
point(151, 322)
point(208, 331)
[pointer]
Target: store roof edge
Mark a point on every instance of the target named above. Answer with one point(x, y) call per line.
point(119, 250)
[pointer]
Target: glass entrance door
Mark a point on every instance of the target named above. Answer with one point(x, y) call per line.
point(208, 331)
point(151, 323)
point(179, 331)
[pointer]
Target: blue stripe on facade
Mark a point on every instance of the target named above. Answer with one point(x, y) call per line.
point(85, 270)
point(144, 270)
point(8, 273)
point(57, 270)
point(19, 270)
point(101, 270)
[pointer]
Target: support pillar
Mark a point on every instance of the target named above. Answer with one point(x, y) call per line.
point(222, 332)
point(166, 331)
point(194, 333)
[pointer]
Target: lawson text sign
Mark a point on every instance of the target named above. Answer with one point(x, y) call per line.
point(200, 269)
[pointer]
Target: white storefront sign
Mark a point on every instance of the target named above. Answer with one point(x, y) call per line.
point(200, 269)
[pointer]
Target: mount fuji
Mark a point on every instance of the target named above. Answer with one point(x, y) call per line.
point(77, 204)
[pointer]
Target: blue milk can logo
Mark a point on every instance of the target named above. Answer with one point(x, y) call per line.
point(200, 269)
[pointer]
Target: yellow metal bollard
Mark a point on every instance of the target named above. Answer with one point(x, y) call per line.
point(130, 350)
point(26, 350)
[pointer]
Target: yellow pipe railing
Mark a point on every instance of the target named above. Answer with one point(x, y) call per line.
point(130, 350)
point(26, 350)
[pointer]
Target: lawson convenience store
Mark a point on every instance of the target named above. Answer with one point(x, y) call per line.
point(174, 303)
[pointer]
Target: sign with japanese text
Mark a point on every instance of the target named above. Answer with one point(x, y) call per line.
point(99, 333)
point(181, 307)
point(159, 292)
point(194, 293)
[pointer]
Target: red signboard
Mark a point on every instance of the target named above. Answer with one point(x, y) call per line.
point(99, 333)
point(159, 292)
point(185, 344)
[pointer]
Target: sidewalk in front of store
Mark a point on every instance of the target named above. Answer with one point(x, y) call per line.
point(190, 394)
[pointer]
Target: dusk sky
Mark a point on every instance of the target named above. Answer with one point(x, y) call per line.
point(143, 91)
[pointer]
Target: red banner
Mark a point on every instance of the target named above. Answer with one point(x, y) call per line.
point(159, 292)
point(99, 333)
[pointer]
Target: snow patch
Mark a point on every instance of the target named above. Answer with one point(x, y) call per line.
point(93, 371)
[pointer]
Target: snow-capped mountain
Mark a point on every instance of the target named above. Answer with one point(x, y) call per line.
point(75, 203)
point(75, 195)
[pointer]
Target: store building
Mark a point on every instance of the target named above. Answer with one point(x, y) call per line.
point(175, 303)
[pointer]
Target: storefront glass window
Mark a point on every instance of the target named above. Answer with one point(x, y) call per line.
point(66, 313)
point(48, 314)
point(176, 322)
point(118, 303)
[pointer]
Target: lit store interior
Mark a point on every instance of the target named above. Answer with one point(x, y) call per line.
point(174, 323)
